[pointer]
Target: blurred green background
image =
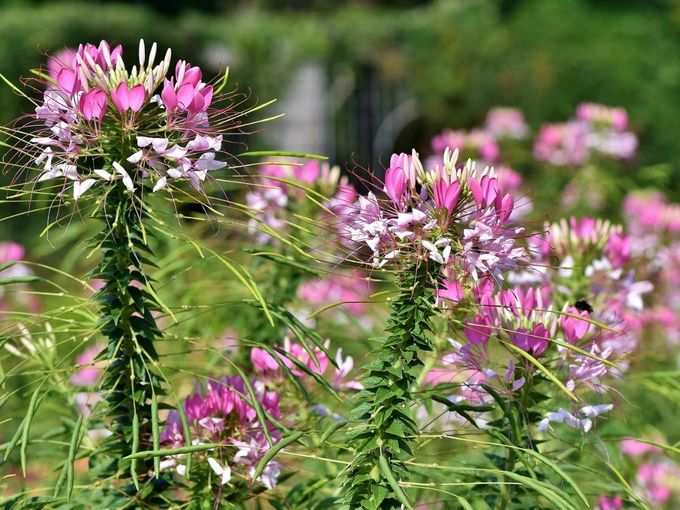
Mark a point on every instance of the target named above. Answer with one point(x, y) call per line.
point(360, 79)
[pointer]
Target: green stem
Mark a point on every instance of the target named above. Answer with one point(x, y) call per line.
point(384, 432)
point(127, 322)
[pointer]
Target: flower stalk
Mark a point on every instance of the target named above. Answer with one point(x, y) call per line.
point(385, 426)
point(132, 383)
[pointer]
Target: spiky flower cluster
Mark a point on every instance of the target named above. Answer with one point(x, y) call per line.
point(101, 122)
point(455, 216)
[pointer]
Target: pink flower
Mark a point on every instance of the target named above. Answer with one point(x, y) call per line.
point(618, 249)
point(452, 290)
point(68, 81)
point(635, 448)
point(597, 114)
point(654, 478)
point(584, 228)
point(351, 289)
point(437, 376)
point(504, 206)
point(168, 96)
point(396, 179)
point(101, 55)
point(480, 143)
point(610, 503)
point(509, 181)
point(484, 190)
point(535, 342)
point(93, 104)
point(263, 362)
point(341, 373)
point(63, 59)
point(11, 252)
point(479, 330)
point(307, 173)
point(562, 144)
point(125, 98)
point(318, 363)
point(506, 122)
point(186, 92)
point(445, 194)
point(574, 328)
point(187, 74)
point(89, 373)
point(521, 301)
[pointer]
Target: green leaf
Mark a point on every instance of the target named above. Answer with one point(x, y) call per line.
point(289, 154)
point(389, 476)
point(272, 451)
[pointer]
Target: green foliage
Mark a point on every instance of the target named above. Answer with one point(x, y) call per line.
point(132, 383)
point(383, 426)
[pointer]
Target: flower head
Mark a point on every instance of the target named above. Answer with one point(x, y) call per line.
point(94, 97)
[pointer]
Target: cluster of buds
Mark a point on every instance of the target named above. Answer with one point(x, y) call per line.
point(102, 122)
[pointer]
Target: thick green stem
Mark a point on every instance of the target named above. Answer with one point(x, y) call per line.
point(383, 414)
point(131, 383)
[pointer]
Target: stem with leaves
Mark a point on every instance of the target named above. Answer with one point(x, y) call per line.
point(132, 384)
point(382, 439)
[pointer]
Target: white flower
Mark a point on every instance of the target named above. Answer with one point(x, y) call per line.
point(127, 181)
point(433, 249)
point(80, 187)
point(583, 421)
point(634, 296)
point(224, 472)
point(160, 183)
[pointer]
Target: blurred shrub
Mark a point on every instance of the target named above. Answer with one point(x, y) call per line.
point(457, 58)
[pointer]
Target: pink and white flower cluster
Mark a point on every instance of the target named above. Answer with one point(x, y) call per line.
point(477, 144)
point(503, 122)
point(457, 217)
point(221, 413)
point(655, 227)
point(294, 355)
point(657, 476)
point(92, 103)
point(351, 289)
point(280, 191)
point(580, 290)
point(13, 265)
point(596, 129)
point(483, 144)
